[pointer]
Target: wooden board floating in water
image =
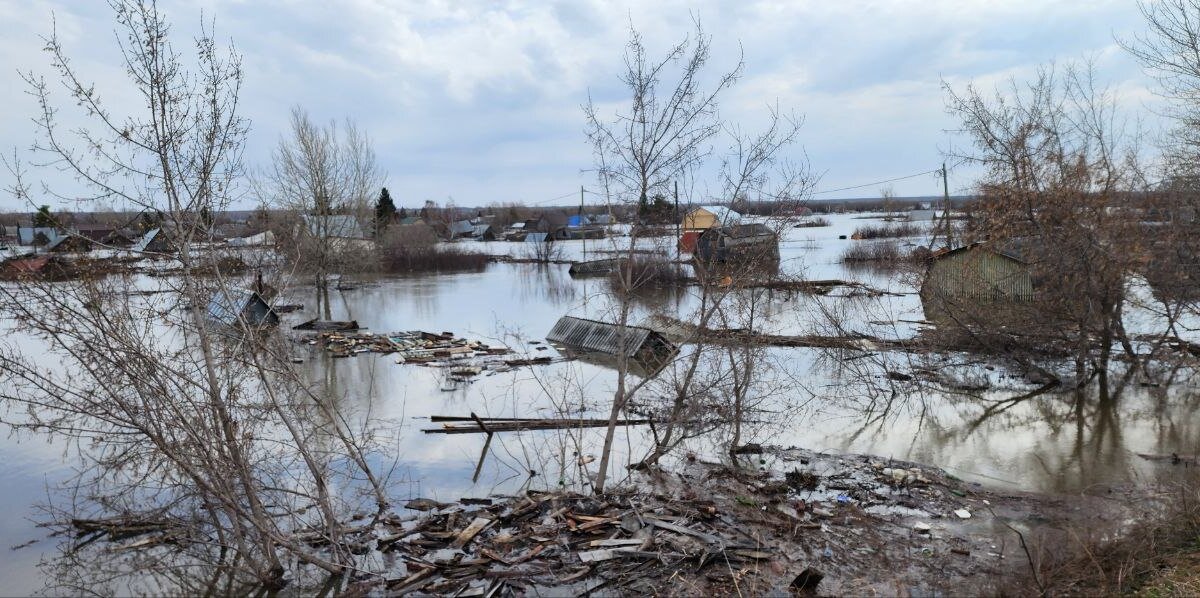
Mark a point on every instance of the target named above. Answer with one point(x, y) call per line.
point(1173, 458)
point(468, 425)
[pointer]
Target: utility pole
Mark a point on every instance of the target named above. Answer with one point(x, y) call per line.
point(946, 210)
point(678, 240)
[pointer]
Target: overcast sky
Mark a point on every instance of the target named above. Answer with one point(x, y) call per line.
point(479, 101)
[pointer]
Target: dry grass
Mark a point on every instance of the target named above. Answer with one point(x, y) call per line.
point(1156, 555)
point(398, 260)
point(887, 231)
point(874, 252)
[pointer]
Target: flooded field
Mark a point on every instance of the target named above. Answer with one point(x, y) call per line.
point(998, 432)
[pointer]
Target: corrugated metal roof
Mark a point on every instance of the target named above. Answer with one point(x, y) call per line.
point(739, 231)
point(147, 239)
point(228, 305)
point(593, 335)
point(536, 237)
point(461, 227)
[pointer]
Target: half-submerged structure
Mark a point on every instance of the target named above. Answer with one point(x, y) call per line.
point(737, 242)
point(236, 307)
point(648, 349)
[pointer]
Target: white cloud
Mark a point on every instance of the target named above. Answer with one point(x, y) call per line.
point(480, 100)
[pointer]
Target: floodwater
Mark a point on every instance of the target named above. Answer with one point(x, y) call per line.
point(1055, 442)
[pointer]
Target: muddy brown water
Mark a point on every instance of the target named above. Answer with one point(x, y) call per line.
point(1057, 442)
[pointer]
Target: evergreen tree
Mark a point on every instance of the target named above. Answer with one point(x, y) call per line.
point(42, 217)
point(385, 210)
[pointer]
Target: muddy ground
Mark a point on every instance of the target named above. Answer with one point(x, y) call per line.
point(789, 521)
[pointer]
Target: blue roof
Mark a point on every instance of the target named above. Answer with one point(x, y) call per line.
point(577, 220)
point(27, 234)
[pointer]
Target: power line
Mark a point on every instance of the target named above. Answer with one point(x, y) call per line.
point(901, 178)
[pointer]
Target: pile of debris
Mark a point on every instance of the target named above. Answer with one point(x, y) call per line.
point(413, 347)
point(566, 544)
point(795, 521)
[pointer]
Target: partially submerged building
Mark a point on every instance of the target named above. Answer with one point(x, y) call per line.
point(342, 231)
point(706, 217)
point(980, 272)
point(235, 307)
point(737, 242)
point(649, 349)
point(71, 244)
point(154, 241)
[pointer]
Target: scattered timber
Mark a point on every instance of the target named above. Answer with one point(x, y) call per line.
point(680, 331)
point(475, 425)
point(319, 325)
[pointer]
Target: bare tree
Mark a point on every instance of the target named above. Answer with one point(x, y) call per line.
point(664, 134)
point(192, 425)
point(1062, 176)
point(327, 174)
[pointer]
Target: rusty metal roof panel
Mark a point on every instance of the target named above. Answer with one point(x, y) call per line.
point(599, 336)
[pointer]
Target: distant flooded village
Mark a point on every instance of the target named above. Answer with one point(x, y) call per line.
point(650, 314)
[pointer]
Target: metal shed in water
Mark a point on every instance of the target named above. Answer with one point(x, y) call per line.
point(644, 345)
point(233, 306)
point(981, 272)
point(740, 241)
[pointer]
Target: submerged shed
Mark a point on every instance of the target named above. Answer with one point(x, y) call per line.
point(233, 307)
point(740, 241)
point(980, 272)
point(70, 243)
point(155, 240)
point(635, 342)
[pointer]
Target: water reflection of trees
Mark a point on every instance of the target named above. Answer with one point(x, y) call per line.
point(1081, 437)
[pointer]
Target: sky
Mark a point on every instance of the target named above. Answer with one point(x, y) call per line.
point(479, 102)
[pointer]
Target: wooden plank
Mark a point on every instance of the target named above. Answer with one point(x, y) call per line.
point(478, 525)
point(615, 543)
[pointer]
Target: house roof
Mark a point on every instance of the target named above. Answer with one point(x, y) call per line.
point(724, 215)
point(1019, 249)
point(536, 237)
point(147, 239)
point(599, 336)
point(461, 227)
point(27, 265)
point(342, 226)
point(228, 305)
point(754, 229)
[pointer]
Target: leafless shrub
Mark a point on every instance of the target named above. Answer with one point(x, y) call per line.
point(887, 231)
point(813, 222)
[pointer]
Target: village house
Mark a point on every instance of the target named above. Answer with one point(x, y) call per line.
point(342, 231)
point(705, 217)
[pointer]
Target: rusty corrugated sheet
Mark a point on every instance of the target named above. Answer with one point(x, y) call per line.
point(603, 337)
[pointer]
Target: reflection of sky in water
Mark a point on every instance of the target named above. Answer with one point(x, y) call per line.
point(1051, 442)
